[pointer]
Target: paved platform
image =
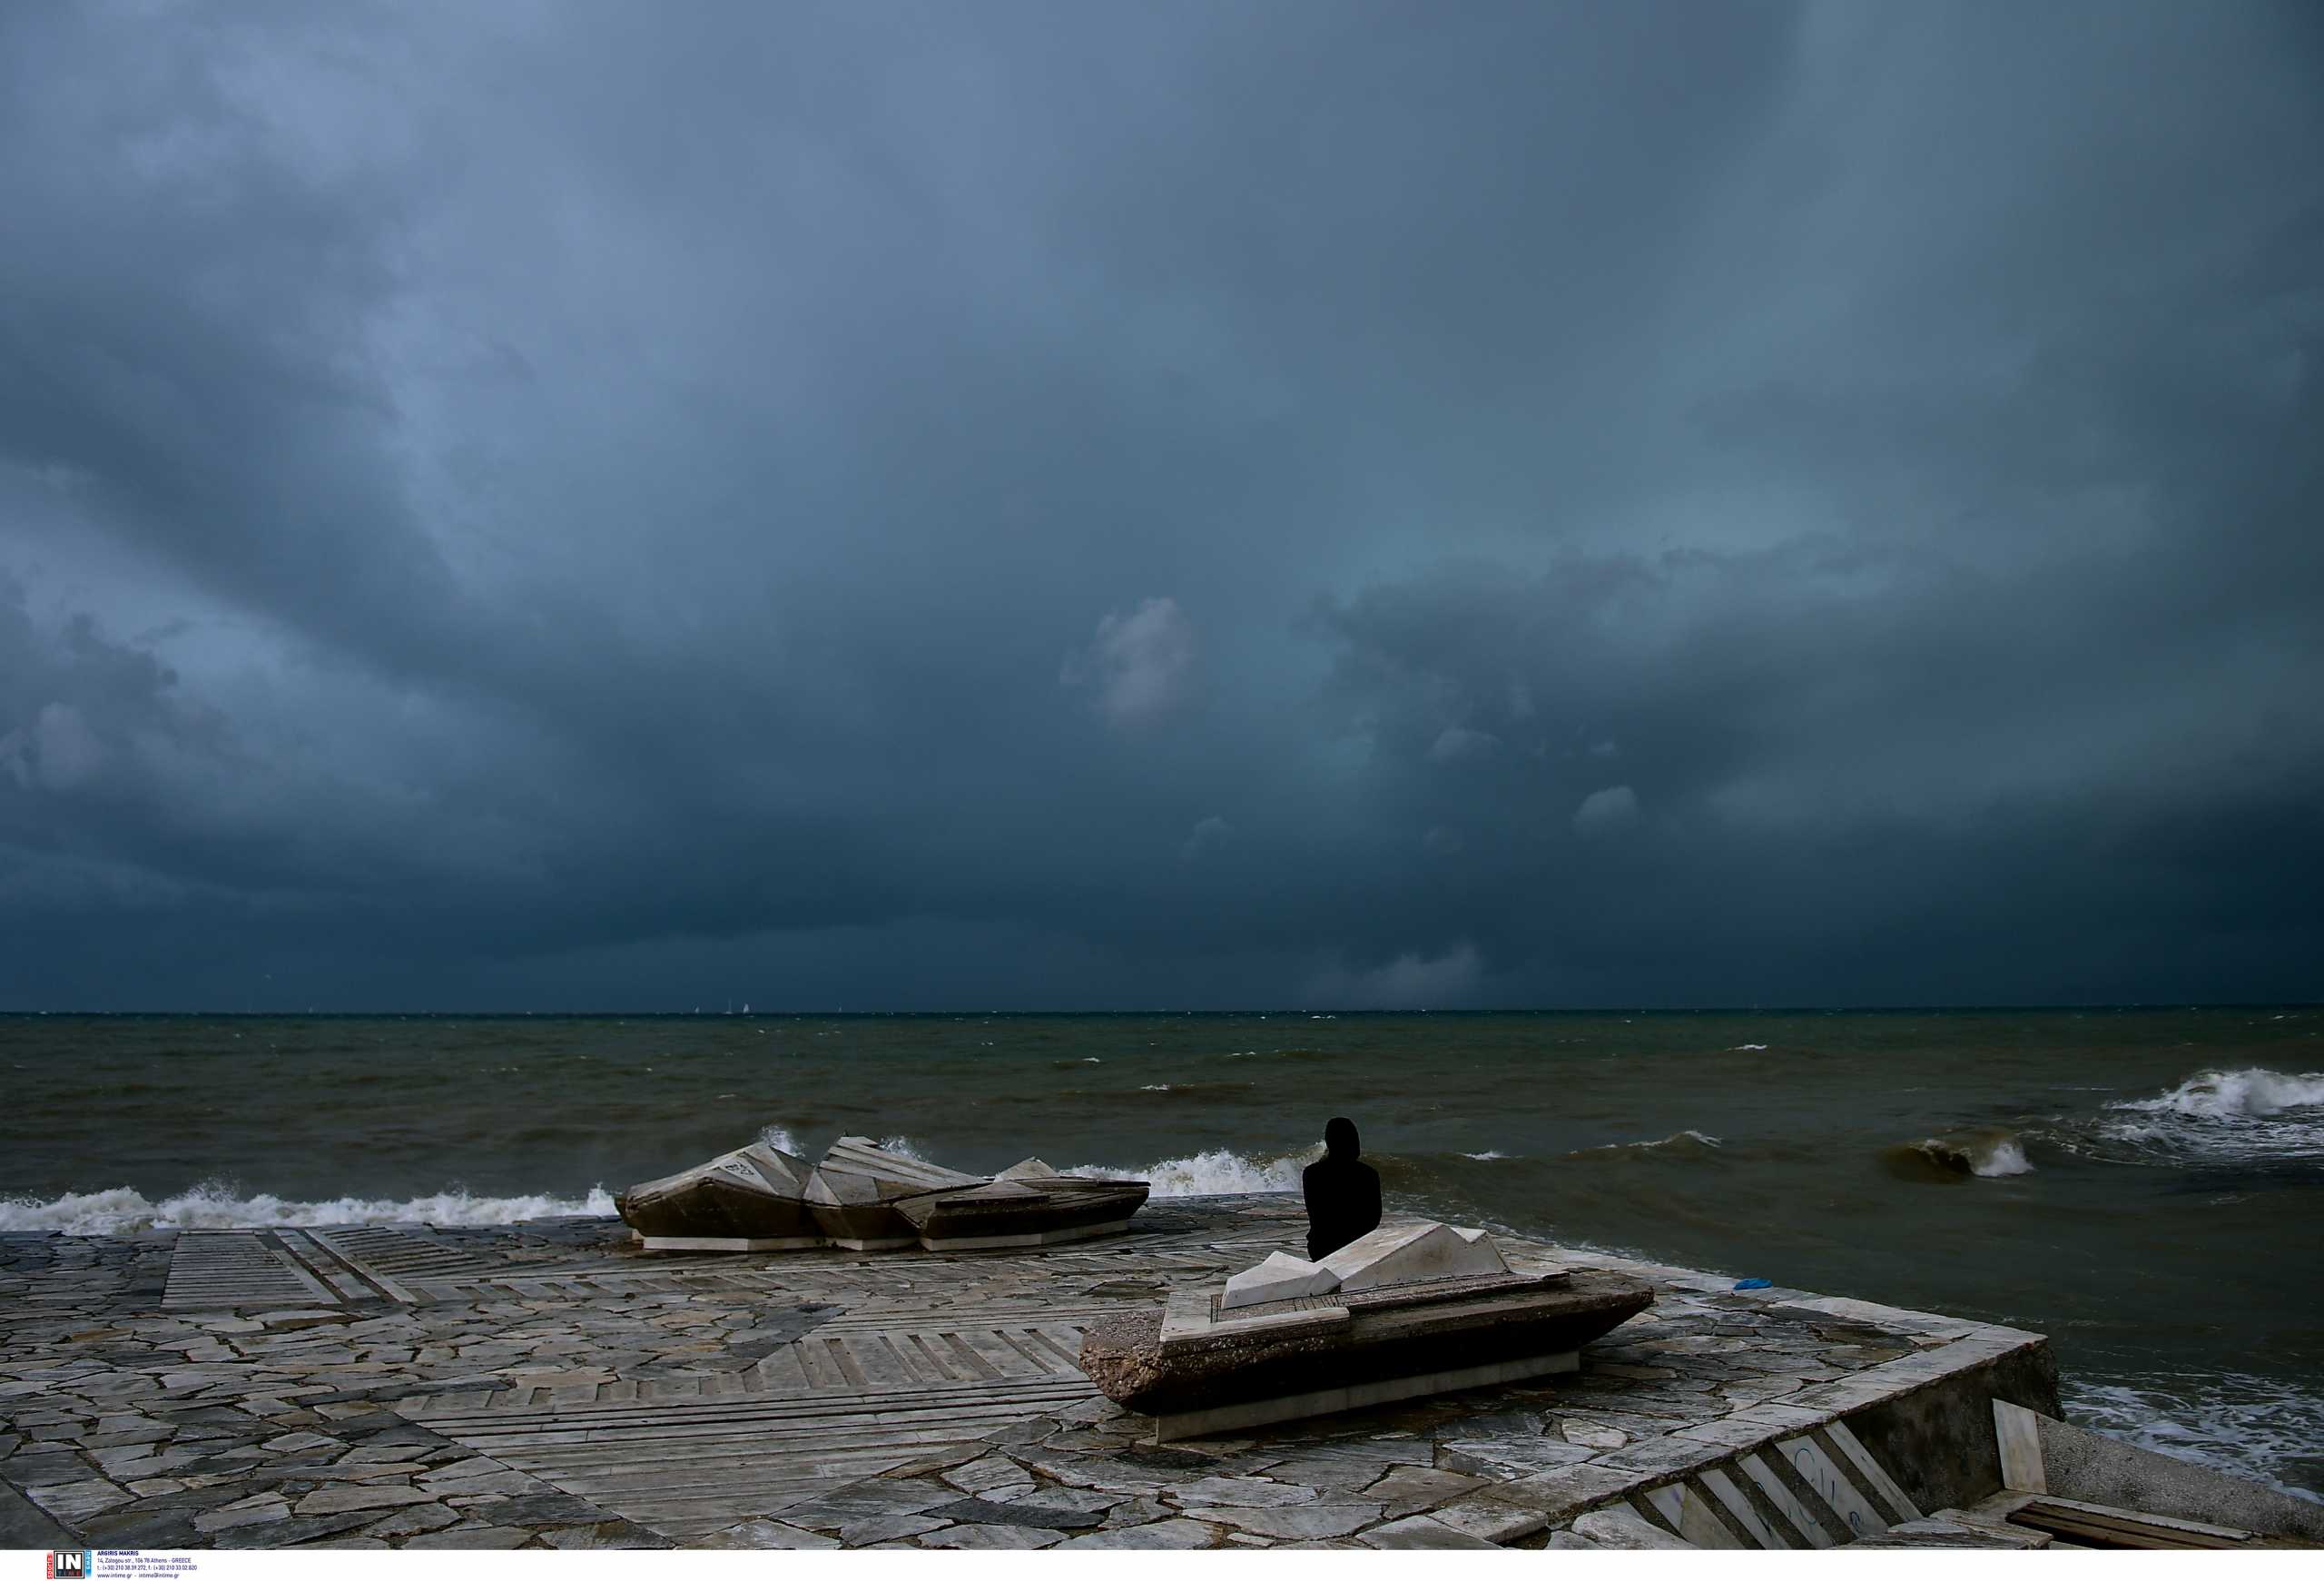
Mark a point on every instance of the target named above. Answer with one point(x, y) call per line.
point(549, 1385)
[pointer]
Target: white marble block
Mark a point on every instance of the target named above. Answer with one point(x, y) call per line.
point(1413, 1253)
point(1026, 1169)
point(1281, 1278)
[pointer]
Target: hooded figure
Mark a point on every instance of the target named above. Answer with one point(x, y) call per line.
point(1342, 1194)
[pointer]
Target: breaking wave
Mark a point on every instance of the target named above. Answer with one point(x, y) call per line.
point(1678, 1144)
point(2249, 1116)
point(1216, 1173)
point(1202, 1090)
point(214, 1206)
point(2254, 1093)
point(1986, 1154)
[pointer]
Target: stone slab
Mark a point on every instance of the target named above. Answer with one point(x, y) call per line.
point(1355, 1397)
point(1411, 1254)
point(1281, 1278)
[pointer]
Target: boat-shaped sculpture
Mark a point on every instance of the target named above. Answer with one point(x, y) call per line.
point(868, 1198)
point(857, 1189)
point(751, 1199)
point(1026, 1205)
point(1404, 1313)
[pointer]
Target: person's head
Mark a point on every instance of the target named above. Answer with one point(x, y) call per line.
point(1339, 1137)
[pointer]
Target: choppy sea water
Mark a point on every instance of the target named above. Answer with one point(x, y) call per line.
point(2144, 1186)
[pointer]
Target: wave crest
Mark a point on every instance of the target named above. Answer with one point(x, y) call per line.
point(2255, 1093)
point(1688, 1143)
point(123, 1211)
point(1216, 1173)
point(2244, 1117)
point(1957, 1155)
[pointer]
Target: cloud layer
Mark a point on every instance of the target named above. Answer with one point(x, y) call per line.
point(922, 506)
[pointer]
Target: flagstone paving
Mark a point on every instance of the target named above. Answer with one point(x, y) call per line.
point(549, 1385)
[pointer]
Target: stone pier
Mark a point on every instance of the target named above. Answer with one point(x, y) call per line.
point(549, 1385)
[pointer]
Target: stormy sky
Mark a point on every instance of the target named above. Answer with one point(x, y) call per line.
point(577, 504)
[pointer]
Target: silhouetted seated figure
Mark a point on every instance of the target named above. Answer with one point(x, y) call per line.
point(1342, 1194)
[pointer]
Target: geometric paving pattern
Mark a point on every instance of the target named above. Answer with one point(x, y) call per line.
point(684, 1468)
point(550, 1385)
point(232, 1268)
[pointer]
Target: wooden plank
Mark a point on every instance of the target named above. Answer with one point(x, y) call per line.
point(2142, 1518)
point(2110, 1535)
point(2103, 1526)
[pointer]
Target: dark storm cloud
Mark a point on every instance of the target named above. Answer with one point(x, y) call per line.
point(1085, 506)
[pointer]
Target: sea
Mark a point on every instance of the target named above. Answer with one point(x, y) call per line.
point(2144, 1186)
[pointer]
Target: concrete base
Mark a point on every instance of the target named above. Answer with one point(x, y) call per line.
point(727, 1243)
point(1049, 1237)
point(867, 1243)
point(1353, 1396)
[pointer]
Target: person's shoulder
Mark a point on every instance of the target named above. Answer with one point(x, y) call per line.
point(1368, 1170)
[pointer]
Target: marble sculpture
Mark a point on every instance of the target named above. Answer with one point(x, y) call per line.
point(865, 1197)
point(1407, 1310)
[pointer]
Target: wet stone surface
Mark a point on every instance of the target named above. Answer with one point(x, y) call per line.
point(422, 1389)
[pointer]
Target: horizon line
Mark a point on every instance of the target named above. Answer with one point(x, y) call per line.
point(2020, 1007)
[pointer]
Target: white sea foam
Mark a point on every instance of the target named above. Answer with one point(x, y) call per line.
point(210, 1206)
point(779, 1138)
point(1742, 1048)
point(2254, 1093)
point(1487, 1156)
point(2005, 1157)
point(2247, 1426)
point(1679, 1139)
point(1217, 1172)
point(2253, 1115)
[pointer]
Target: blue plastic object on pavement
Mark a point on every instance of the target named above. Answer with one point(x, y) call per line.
point(1754, 1284)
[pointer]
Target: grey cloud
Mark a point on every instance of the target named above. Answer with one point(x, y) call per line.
point(1447, 981)
point(1209, 835)
point(1139, 664)
point(516, 508)
point(1604, 811)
